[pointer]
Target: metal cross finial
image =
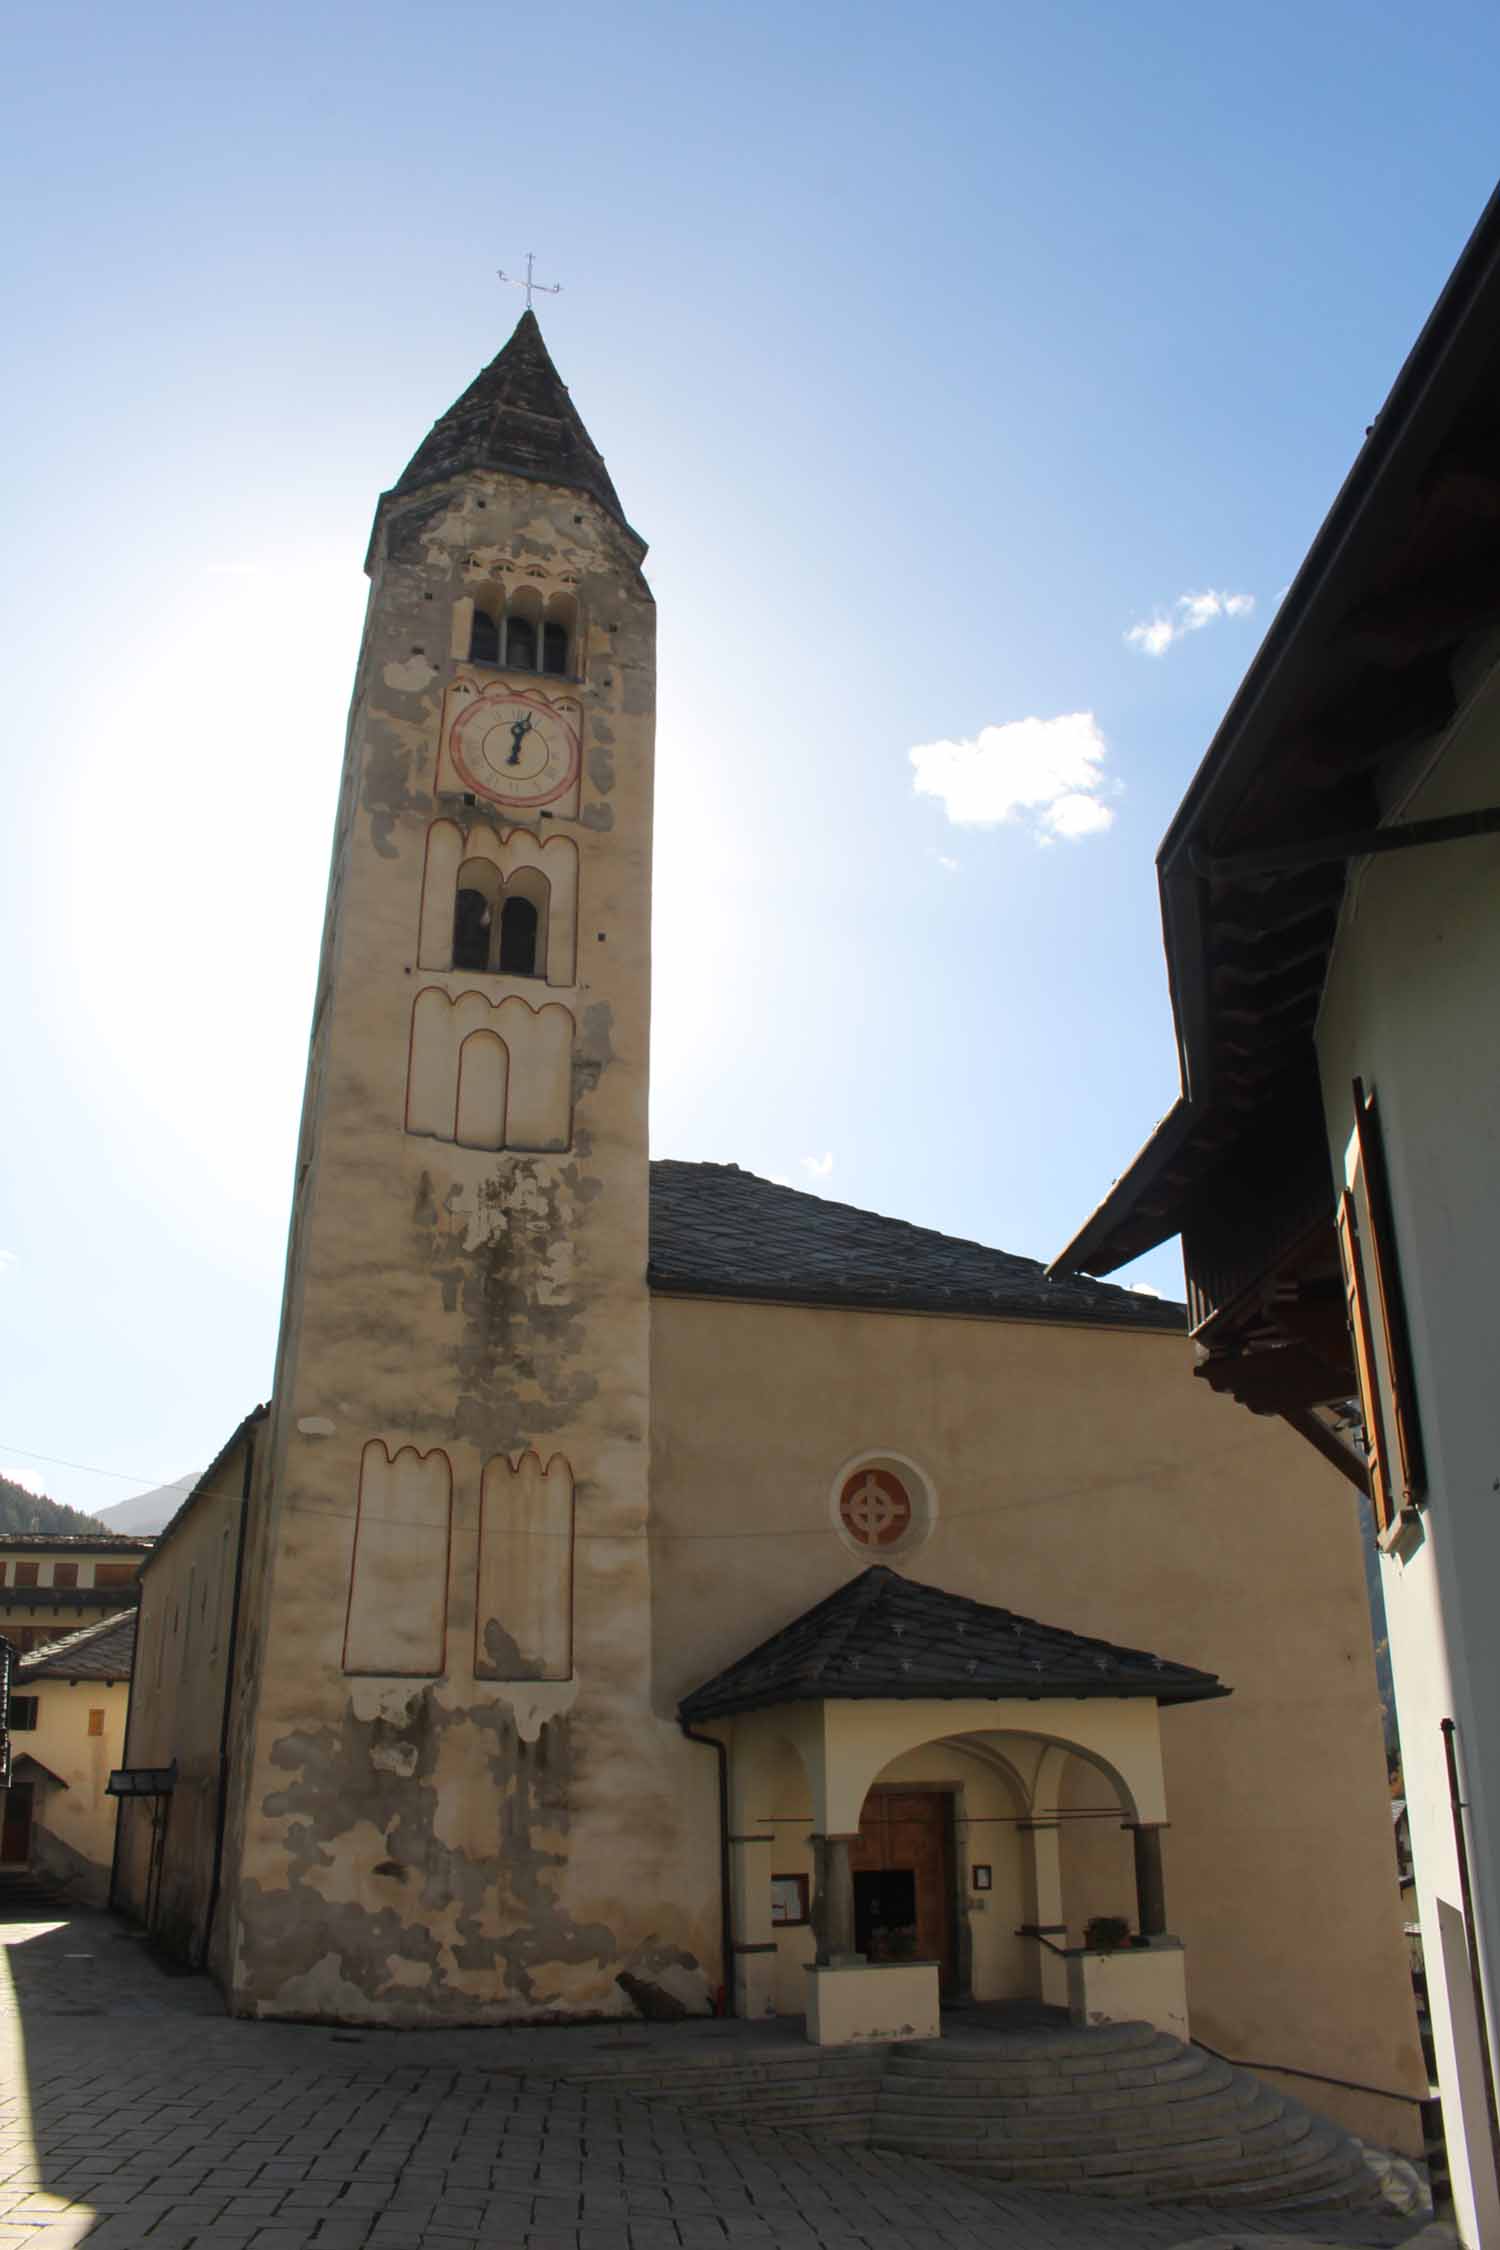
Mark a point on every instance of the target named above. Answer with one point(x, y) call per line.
point(548, 288)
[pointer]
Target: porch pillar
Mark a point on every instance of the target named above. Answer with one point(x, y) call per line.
point(1150, 1887)
point(833, 1900)
point(753, 1968)
point(1042, 1911)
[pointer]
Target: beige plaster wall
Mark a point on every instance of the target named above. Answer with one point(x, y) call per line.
point(1082, 1477)
point(73, 1833)
point(443, 1844)
point(1409, 1007)
point(177, 1704)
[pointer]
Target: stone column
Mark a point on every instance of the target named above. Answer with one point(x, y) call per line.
point(1041, 1903)
point(833, 1900)
point(1150, 1889)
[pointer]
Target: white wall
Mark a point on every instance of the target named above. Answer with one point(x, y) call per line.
point(1412, 1006)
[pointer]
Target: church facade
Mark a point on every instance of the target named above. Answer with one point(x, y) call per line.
point(650, 1585)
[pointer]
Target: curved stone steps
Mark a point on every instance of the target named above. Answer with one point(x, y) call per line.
point(1116, 2110)
point(1125, 2112)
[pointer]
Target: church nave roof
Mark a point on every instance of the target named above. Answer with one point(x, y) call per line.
point(719, 1232)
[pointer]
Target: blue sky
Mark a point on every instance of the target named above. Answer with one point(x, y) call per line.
point(933, 351)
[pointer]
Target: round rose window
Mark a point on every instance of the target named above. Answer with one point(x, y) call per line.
point(875, 1508)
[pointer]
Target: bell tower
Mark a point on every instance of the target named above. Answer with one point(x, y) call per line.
point(451, 1799)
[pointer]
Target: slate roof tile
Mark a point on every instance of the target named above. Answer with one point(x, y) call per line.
point(105, 1651)
point(885, 1637)
point(516, 416)
point(717, 1231)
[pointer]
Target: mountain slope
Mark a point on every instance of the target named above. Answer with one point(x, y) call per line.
point(21, 1510)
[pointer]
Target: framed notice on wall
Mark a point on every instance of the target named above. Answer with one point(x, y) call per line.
point(788, 1900)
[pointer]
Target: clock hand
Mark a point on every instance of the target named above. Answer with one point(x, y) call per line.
point(519, 729)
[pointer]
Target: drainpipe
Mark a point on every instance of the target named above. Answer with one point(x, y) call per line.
point(113, 1900)
point(726, 1911)
point(1465, 1892)
point(221, 1812)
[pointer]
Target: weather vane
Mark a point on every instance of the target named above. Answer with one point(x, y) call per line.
point(548, 288)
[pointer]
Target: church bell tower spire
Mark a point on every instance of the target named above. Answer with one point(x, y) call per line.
point(450, 1699)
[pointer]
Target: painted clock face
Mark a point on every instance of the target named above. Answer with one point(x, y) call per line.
point(515, 748)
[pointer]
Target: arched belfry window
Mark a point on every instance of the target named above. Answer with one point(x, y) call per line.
point(520, 644)
point(525, 631)
point(519, 927)
point(472, 921)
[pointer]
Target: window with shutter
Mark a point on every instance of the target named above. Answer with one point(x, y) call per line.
point(1393, 1336)
point(1358, 1304)
point(1377, 1323)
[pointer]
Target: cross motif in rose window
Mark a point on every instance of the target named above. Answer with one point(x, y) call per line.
point(873, 1511)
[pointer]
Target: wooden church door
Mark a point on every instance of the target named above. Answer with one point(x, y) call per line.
point(903, 1879)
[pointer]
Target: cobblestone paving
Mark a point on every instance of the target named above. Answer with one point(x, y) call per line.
point(132, 2113)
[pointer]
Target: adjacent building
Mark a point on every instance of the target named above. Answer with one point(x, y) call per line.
point(68, 1702)
point(53, 1583)
point(1330, 893)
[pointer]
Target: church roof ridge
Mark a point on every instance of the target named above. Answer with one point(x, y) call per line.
point(720, 1231)
point(883, 1637)
point(517, 417)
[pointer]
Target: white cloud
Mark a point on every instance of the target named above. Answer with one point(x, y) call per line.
point(1144, 1289)
point(817, 1167)
point(1047, 771)
point(9, 1258)
point(1188, 614)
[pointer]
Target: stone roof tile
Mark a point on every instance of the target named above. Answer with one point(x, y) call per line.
point(719, 1232)
point(885, 1637)
point(517, 417)
point(105, 1651)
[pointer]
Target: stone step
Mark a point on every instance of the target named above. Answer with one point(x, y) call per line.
point(975, 2099)
point(1125, 2130)
point(1003, 2135)
point(684, 2083)
point(918, 2059)
point(1269, 2152)
point(1051, 2044)
point(1319, 2162)
point(773, 2106)
point(827, 2128)
point(1063, 2095)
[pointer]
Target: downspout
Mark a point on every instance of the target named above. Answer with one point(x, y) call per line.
point(221, 1812)
point(726, 1911)
point(1465, 1892)
point(121, 1802)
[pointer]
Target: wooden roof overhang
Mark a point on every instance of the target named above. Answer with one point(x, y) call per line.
point(1356, 674)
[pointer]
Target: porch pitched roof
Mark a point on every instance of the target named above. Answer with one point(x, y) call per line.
point(883, 1636)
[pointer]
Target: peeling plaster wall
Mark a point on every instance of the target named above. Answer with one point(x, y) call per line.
point(450, 1848)
point(1079, 1478)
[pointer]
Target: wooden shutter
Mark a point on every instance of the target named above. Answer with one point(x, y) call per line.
point(1384, 1275)
point(1357, 1299)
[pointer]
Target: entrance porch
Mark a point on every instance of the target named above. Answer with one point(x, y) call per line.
point(931, 1800)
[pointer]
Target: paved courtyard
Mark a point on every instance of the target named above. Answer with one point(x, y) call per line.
point(132, 2112)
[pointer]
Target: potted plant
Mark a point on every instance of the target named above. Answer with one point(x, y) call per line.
point(1106, 1933)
